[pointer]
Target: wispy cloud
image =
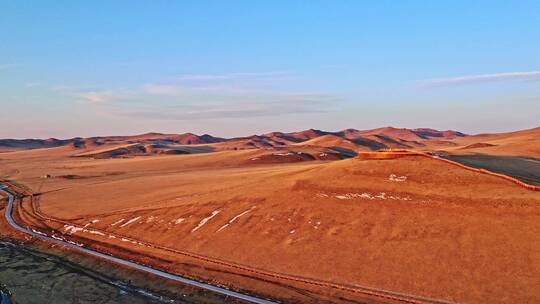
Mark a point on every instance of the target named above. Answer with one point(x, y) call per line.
point(205, 96)
point(480, 78)
point(32, 84)
point(232, 76)
point(183, 90)
point(222, 84)
point(103, 96)
point(278, 105)
point(164, 89)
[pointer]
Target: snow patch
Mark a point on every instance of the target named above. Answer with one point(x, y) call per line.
point(395, 178)
point(57, 238)
point(285, 154)
point(380, 196)
point(39, 232)
point(206, 219)
point(222, 227)
point(117, 222)
point(235, 218)
point(130, 221)
point(77, 244)
point(72, 229)
point(130, 241)
point(239, 215)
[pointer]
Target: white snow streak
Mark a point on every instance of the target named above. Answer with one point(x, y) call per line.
point(130, 221)
point(222, 227)
point(72, 229)
point(117, 222)
point(380, 196)
point(239, 215)
point(235, 218)
point(284, 154)
point(395, 178)
point(204, 220)
point(39, 232)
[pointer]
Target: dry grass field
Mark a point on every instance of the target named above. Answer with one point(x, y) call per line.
point(411, 225)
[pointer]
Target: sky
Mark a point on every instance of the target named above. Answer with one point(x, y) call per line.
point(235, 68)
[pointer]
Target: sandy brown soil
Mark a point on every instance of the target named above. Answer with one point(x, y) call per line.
point(412, 225)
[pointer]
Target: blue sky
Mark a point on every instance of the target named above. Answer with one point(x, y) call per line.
point(231, 68)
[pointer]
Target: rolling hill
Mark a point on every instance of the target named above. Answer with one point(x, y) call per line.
point(524, 143)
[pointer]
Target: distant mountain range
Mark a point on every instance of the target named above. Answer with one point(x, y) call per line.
point(350, 139)
point(269, 139)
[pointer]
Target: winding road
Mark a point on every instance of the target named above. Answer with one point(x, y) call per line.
point(130, 264)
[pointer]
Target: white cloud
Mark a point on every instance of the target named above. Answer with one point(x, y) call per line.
point(105, 96)
point(188, 97)
point(198, 77)
point(264, 106)
point(481, 78)
point(164, 89)
point(184, 90)
point(232, 76)
point(216, 84)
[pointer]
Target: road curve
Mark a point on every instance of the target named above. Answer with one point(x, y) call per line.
point(130, 264)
